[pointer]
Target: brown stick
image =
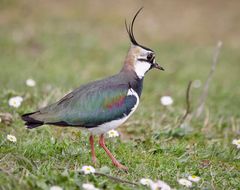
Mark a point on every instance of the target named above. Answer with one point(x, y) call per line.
point(188, 106)
point(204, 94)
point(115, 178)
point(110, 177)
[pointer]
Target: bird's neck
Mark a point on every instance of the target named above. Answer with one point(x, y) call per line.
point(134, 82)
point(137, 86)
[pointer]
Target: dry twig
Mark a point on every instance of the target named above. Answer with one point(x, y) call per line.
point(115, 178)
point(188, 106)
point(111, 177)
point(204, 94)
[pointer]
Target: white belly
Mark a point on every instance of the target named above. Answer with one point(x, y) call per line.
point(105, 127)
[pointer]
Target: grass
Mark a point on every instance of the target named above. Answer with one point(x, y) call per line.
point(61, 50)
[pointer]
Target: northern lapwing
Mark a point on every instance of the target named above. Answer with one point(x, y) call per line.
point(105, 104)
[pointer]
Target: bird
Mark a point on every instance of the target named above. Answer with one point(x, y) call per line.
point(102, 105)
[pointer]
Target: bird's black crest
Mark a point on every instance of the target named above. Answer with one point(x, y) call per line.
point(130, 31)
point(130, 28)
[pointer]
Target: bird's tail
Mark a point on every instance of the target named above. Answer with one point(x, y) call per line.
point(30, 122)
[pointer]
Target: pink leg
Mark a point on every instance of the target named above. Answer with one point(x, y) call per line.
point(115, 162)
point(91, 139)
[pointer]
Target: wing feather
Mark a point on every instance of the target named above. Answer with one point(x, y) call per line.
point(90, 106)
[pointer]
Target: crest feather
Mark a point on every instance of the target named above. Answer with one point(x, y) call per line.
point(130, 28)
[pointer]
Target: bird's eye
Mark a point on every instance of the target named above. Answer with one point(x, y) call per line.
point(150, 57)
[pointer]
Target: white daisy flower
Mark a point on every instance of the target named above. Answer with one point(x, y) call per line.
point(146, 181)
point(15, 101)
point(30, 82)
point(163, 186)
point(112, 133)
point(197, 83)
point(153, 186)
point(11, 138)
point(166, 100)
point(194, 178)
point(185, 182)
point(88, 169)
point(236, 142)
point(160, 185)
point(89, 186)
point(55, 187)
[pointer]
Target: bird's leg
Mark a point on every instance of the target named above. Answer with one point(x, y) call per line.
point(114, 160)
point(91, 139)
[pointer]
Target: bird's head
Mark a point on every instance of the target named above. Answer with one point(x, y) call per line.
point(139, 59)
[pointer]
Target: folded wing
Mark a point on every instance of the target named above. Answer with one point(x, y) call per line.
point(88, 107)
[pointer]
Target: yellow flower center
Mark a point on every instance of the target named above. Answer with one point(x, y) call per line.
point(193, 176)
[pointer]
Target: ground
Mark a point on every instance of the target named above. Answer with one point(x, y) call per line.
point(62, 45)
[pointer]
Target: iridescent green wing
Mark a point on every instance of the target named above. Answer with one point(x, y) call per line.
point(93, 106)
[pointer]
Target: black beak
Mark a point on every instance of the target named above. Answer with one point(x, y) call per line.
point(155, 65)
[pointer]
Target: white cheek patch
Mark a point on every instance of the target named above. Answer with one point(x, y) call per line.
point(141, 68)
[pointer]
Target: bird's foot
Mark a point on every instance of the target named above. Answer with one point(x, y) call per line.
point(120, 166)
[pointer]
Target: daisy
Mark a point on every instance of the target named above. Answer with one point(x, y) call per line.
point(146, 181)
point(160, 185)
point(15, 101)
point(185, 182)
point(194, 178)
point(55, 187)
point(11, 138)
point(30, 82)
point(236, 142)
point(166, 100)
point(88, 169)
point(112, 133)
point(89, 186)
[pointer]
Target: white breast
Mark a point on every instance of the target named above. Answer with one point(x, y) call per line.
point(105, 127)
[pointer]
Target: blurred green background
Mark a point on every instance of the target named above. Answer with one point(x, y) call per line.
point(68, 43)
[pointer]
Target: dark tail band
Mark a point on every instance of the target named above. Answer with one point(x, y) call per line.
point(30, 122)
